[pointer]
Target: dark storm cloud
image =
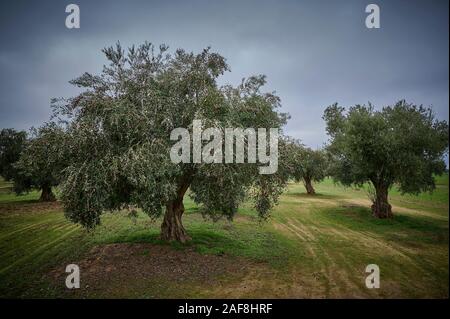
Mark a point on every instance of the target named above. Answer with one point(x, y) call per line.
point(314, 53)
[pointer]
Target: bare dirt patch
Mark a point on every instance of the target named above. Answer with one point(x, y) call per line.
point(149, 271)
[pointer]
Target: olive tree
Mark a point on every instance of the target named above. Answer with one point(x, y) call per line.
point(312, 168)
point(400, 145)
point(41, 162)
point(305, 164)
point(119, 143)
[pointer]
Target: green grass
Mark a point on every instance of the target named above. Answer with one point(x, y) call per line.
point(312, 246)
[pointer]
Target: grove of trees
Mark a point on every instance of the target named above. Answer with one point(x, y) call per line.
point(108, 147)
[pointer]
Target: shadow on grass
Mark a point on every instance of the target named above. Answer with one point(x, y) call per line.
point(210, 239)
point(410, 228)
point(308, 196)
point(20, 201)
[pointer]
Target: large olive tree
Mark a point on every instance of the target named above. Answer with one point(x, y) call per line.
point(399, 145)
point(119, 142)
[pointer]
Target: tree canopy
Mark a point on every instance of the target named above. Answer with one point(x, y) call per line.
point(305, 164)
point(118, 137)
point(41, 162)
point(12, 143)
point(403, 144)
point(312, 168)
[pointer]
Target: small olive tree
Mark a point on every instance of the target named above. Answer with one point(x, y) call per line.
point(305, 164)
point(312, 168)
point(401, 144)
point(119, 142)
point(41, 162)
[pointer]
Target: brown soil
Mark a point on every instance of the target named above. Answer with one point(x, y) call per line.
point(148, 270)
point(154, 271)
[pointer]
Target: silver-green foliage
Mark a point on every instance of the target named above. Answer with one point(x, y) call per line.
point(42, 160)
point(118, 133)
point(403, 144)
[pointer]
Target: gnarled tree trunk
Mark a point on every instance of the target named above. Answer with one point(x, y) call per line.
point(172, 227)
point(308, 185)
point(47, 194)
point(381, 207)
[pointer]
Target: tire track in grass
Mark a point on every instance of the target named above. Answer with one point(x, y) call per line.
point(38, 251)
point(26, 248)
point(378, 246)
point(303, 230)
point(21, 230)
point(320, 272)
point(322, 260)
point(337, 281)
point(408, 258)
point(367, 239)
point(344, 275)
point(38, 235)
point(284, 229)
point(339, 251)
point(292, 232)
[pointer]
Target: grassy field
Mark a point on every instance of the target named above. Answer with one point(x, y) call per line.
point(311, 247)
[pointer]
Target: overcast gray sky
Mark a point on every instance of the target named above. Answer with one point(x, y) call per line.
point(314, 53)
